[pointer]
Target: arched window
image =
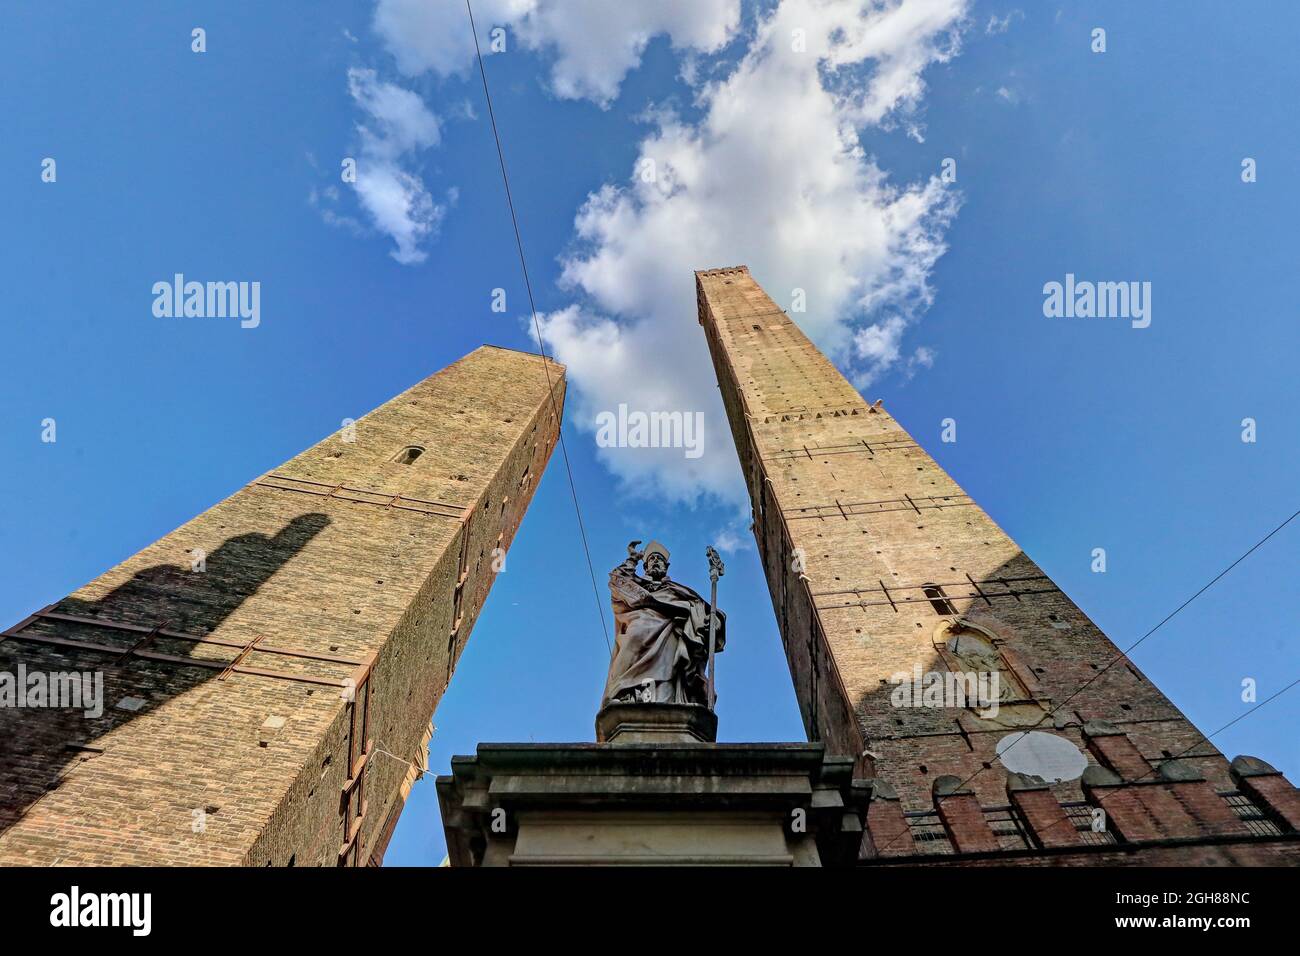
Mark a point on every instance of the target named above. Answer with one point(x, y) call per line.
point(408, 454)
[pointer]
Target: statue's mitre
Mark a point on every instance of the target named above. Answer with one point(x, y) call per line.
point(654, 547)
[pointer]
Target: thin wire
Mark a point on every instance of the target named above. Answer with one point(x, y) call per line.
point(537, 327)
point(1156, 769)
point(1123, 655)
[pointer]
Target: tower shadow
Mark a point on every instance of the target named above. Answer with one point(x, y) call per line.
point(40, 746)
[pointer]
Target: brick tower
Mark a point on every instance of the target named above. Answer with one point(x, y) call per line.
point(267, 664)
point(881, 566)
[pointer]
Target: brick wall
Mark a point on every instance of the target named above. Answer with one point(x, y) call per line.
point(853, 521)
point(358, 577)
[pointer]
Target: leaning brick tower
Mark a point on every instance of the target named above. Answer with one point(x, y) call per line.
point(880, 566)
point(271, 667)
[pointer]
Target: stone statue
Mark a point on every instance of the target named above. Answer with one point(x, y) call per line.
point(661, 649)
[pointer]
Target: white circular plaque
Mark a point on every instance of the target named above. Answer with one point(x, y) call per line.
point(1043, 755)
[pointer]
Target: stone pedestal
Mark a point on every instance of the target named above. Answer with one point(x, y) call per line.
point(654, 791)
point(656, 724)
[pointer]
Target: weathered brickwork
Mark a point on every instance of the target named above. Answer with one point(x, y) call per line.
point(338, 592)
point(878, 563)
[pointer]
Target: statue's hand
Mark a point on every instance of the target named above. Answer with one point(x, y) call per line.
point(633, 551)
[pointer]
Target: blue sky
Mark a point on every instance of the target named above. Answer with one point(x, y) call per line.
point(1073, 434)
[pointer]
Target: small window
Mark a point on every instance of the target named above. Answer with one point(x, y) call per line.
point(938, 600)
point(408, 454)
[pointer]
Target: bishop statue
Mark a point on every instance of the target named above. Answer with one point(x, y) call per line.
point(663, 639)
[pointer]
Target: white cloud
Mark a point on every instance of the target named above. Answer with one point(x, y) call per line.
point(773, 176)
point(434, 34)
point(396, 124)
point(1003, 24)
point(595, 43)
point(598, 42)
point(402, 122)
point(879, 344)
point(923, 357)
point(734, 536)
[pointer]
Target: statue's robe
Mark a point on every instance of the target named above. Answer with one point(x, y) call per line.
point(661, 638)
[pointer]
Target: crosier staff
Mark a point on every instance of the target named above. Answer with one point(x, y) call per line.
point(716, 570)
